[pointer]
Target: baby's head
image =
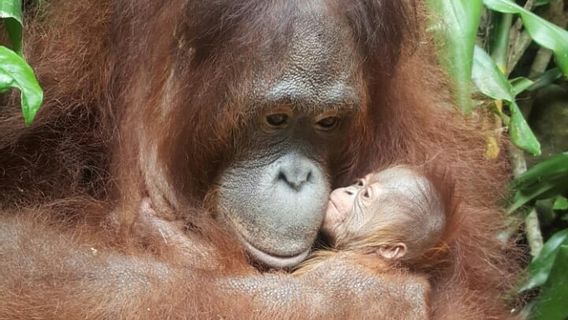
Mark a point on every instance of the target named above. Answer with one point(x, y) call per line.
point(396, 213)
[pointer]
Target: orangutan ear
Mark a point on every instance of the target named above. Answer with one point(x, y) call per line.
point(392, 251)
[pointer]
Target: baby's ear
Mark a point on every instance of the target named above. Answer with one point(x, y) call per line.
point(394, 251)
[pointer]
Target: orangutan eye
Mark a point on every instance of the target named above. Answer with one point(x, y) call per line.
point(277, 119)
point(328, 123)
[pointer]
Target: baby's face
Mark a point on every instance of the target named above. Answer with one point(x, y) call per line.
point(346, 202)
point(374, 198)
point(386, 212)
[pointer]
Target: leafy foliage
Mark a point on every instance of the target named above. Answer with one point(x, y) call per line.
point(14, 71)
point(540, 267)
point(492, 82)
point(552, 302)
point(544, 180)
point(541, 190)
point(11, 12)
point(542, 32)
point(457, 32)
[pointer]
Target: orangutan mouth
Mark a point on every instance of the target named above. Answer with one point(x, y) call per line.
point(275, 261)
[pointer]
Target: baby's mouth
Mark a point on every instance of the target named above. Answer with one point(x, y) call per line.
point(331, 205)
point(332, 216)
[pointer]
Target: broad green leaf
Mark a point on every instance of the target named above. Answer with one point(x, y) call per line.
point(498, 39)
point(545, 79)
point(540, 267)
point(488, 78)
point(11, 12)
point(520, 84)
point(543, 32)
point(560, 203)
point(16, 73)
point(492, 82)
point(552, 301)
point(543, 190)
point(552, 167)
point(455, 25)
point(520, 132)
point(544, 180)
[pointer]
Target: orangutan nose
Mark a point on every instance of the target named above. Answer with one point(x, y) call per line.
point(295, 172)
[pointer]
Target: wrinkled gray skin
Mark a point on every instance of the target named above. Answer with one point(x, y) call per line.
point(275, 194)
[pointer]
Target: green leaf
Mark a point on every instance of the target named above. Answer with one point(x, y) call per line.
point(521, 84)
point(556, 166)
point(560, 203)
point(541, 2)
point(455, 25)
point(546, 79)
point(16, 73)
point(492, 82)
point(11, 11)
point(546, 214)
point(544, 180)
point(551, 304)
point(489, 79)
point(540, 267)
point(520, 132)
point(543, 32)
point(545, 189)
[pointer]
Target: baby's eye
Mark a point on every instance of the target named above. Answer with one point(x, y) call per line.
point(366, 194)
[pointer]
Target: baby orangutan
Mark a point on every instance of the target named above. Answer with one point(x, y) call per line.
point(396, 214)
point(392, 222)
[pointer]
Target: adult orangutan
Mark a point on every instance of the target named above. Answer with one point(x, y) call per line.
point(237, 117)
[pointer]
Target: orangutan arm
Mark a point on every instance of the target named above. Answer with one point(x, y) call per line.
point(327, 286)
point(46, 274)
point(335, 289)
